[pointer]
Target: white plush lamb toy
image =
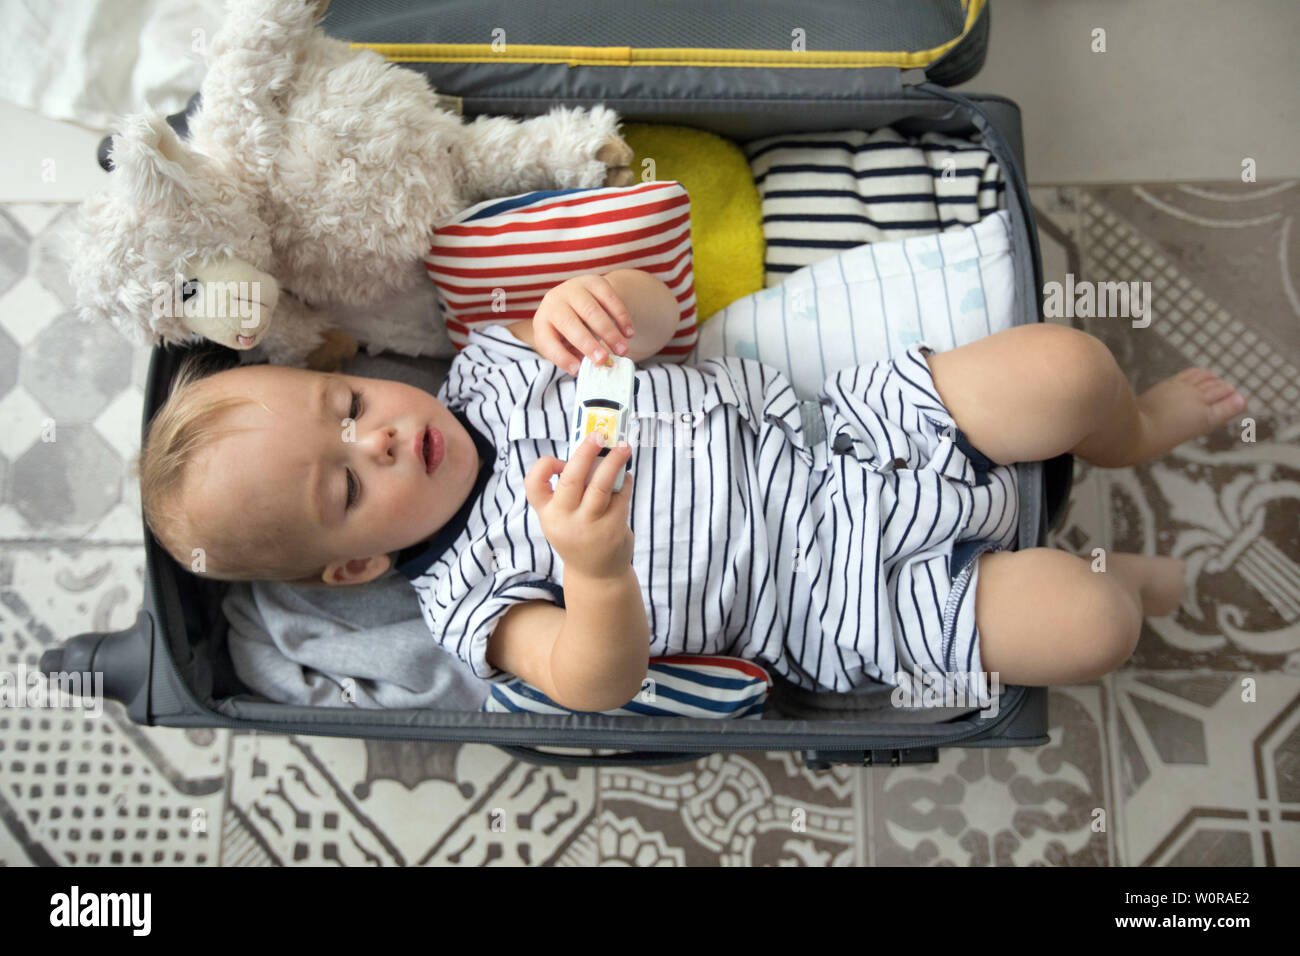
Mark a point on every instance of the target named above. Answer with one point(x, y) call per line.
point(307, 194)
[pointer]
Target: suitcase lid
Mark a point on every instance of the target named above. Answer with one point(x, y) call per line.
point(945, 38)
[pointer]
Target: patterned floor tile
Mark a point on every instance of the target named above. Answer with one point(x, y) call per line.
point(1237, 244)
point(34, 217)
point(1231, 510)
point(733, 809)
point(327, 801)
point(70, 395)
point(74, 369)
point(1020, 806)
point(1207, 768)
point(65, 588)
point(119, 422)
point(47, 224)
point(1222, 289)
point(85, 785)
point(29, 308)
point(1229, 503)
point(25, 422)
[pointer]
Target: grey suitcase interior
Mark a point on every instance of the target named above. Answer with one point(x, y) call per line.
point(720, 67)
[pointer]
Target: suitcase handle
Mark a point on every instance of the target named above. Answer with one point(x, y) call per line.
point(124, 658)
point(631, 758)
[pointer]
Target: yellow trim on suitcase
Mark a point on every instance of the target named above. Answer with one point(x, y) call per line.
point(665, 56)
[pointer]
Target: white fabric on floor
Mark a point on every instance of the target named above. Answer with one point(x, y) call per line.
point(91, 61)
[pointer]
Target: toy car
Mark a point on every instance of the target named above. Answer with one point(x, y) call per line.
point(604, 404)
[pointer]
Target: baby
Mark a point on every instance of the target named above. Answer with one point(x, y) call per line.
point(878, 554)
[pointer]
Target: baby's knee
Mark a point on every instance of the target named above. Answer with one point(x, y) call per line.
point(1081, 364)
point(1113, 623)
point(1045, 617)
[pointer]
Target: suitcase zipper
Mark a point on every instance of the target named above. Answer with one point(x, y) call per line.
point(672, 742)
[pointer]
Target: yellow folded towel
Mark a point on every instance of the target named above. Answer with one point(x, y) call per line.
point(726, 214)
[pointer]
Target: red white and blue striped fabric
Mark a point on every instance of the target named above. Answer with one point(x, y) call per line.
point(680, 685)
point(495, 261)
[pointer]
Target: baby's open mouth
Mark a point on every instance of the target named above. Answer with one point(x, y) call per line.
point(429, 446)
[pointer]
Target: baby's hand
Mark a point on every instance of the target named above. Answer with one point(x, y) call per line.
point(587, 527)
point(581, 316)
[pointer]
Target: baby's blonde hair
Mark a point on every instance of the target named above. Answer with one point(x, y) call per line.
point(186, 423)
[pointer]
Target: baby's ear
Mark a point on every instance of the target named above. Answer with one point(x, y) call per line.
point(356, 570)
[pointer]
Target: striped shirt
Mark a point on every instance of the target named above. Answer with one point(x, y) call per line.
point(826, 560)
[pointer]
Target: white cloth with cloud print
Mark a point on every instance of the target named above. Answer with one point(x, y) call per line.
point(869, 303)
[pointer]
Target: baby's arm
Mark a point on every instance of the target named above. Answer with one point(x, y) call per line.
point(593, 654)
point(589, 315)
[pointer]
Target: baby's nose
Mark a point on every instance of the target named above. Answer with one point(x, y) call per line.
point(380, 443)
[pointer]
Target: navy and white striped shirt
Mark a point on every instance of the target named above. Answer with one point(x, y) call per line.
point(821, 551)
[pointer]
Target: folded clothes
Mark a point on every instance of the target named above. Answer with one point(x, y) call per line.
point(825, 192)
point(869, 303)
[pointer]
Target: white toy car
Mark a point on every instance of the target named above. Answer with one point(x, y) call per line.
point(604, 404)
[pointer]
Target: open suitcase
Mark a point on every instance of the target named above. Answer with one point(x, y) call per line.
point(726, 67)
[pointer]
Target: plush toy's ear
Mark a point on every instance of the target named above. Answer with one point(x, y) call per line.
point(169, 144)
point(153, 164)
point(129, 237)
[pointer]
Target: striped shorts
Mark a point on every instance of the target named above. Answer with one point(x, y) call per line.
point(901, 507)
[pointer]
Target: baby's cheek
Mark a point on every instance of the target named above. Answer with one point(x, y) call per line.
point(404, 503)
point(411, 507)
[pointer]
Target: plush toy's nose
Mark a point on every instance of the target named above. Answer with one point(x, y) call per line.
point(267, 293)
point(256, 311)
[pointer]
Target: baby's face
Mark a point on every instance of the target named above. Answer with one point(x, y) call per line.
point(349, 468)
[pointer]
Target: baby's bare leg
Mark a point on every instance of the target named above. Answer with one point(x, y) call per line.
point(1033, 392)
point(1046, 618)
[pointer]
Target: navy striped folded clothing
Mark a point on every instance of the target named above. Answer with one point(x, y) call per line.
point(825, 192)
point(682, 685)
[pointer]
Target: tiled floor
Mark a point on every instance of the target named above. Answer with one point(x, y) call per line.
point(1189, 755)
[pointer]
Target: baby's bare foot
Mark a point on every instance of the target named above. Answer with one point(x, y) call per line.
point(1160, 582)
point(1162, 586)
point(1185, 406)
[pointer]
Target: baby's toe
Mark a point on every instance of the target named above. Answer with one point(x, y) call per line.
point(1222, 401)
point(1226, 408)
point(1213, 388)
point(1194, 375)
